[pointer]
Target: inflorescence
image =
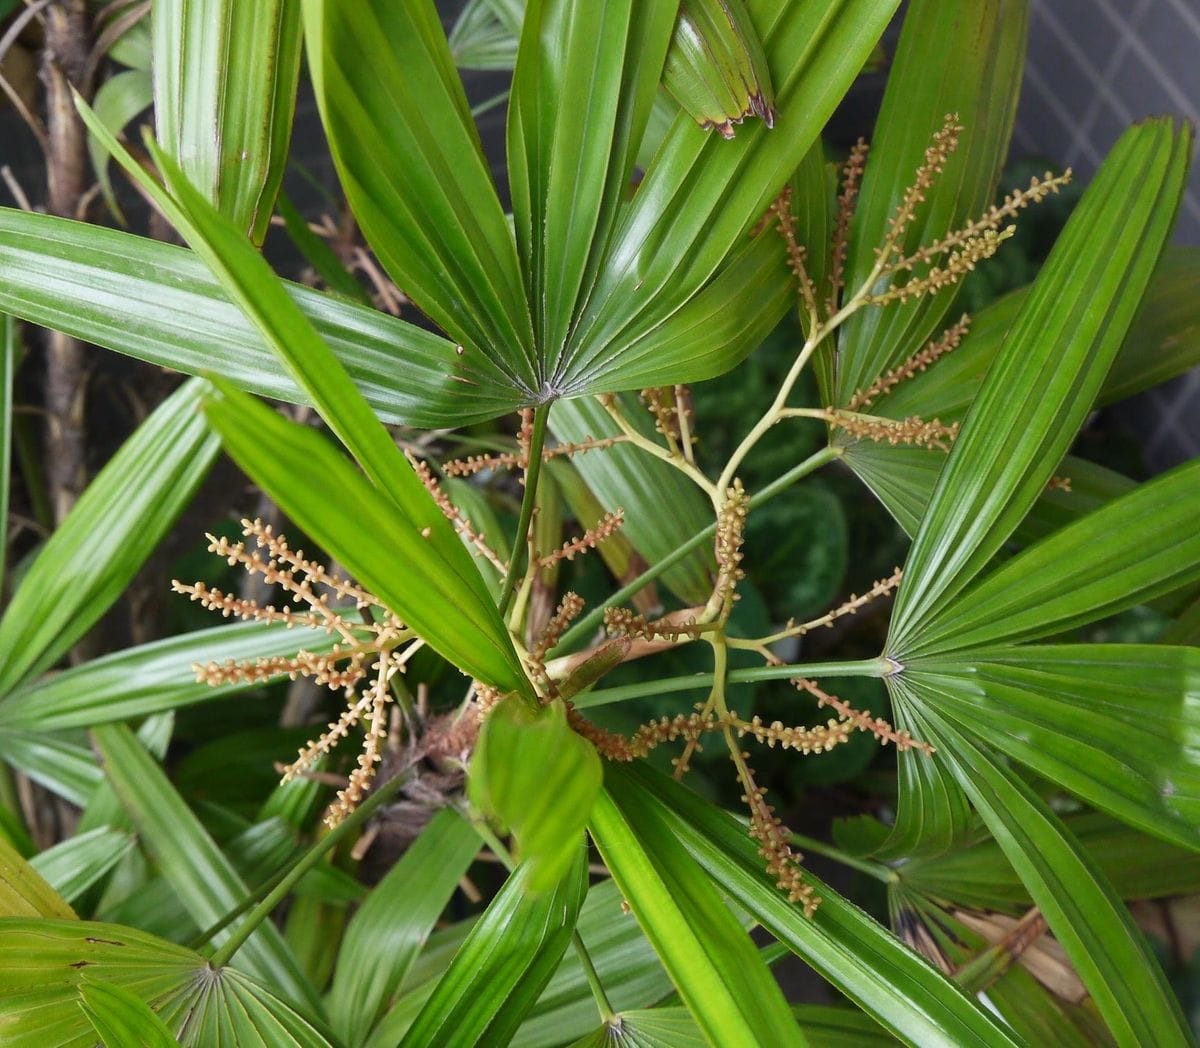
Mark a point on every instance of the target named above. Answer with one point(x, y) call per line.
point(899, 275)
point(368, 646)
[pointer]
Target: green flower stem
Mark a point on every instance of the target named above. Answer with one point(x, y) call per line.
point(480, 825)
point(588, 625)
point(880, 667)
point(592, 621)
point(306, 862)
point(251, 898)
point(877, 870)
point(533, 470)
point(816, 336)
point(671, 457)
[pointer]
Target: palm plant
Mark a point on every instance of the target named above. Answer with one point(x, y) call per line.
point(1030, 765)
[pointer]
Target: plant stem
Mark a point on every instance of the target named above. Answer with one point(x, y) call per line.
point(772, 415)
point(480, 826)
point(880, 667)
point(607, 1015)
point(784, 481)
point(64, 66)
point(251, 898)
point(533, 470)
point(873, 869)
point(9, 800)
point(674, 459)
point(306, 862)
point(592, 620)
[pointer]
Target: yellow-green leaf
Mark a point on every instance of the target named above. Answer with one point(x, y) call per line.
point(537, 777)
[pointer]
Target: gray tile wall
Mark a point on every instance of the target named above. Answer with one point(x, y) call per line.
point(1094, 67)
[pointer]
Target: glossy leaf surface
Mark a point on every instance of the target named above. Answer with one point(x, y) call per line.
point(713, 963)
point(225, 77)
point(413, 171)
point(389, 929)
point(8, 367)
point(854, 952)
point(584, 81)
point(1108, 951)
point(200, 874)
point(74, 865)
point(1047, 375)
point(933, 814)
point(24, 892)
point(120, 1018)
point(503, 964)
point(1138, 867)
point(111, 530)
point(537, 777)
point(64, 767)
point(368, 534)
point(1113, 723)
point(1163, 341)
point(626, 963)
point(978, 50)
point(1133, 549)
point(200, 1006)
point(148, 678)
point(160, 303)
point(701, 194)
point(418, 523)
point(628, 479)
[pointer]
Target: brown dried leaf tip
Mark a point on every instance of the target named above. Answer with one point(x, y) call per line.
point(366, 648)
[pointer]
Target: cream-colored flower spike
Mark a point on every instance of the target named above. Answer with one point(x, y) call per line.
point(372, 646)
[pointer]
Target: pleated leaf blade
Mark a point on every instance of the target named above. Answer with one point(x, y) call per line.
point(1083, 911)
point(1048, 373)
point(413, 170)
point(500, 970)
point(977, 48)
point(225, 76)
point(719, 974)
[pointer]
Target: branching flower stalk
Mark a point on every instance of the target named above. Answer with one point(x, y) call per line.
point(920, 361)
point(680, 462)
point(366, 657)
point(882, 588)
point(962, 250)
point(896, 276)
point(369, 647)
point(472, 464)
